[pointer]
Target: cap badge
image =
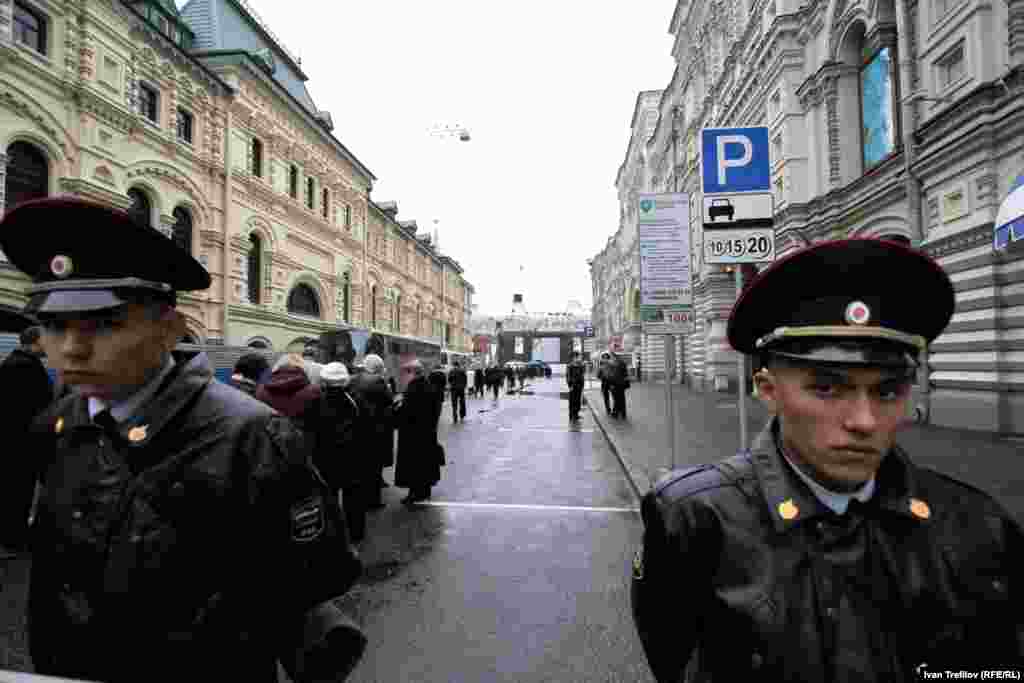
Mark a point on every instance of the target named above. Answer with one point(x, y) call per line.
point(858, 313)
point(62, 266)
point(919, 508)
point(137, 434)
point(788, 509)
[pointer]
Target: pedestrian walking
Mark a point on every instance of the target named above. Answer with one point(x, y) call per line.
point(823, 553)
point(181, 531)
point(27, 386)
point(377, 399)
point(438, 382)
point(342, 453)
point(574, 374)
point(494, 379)
point(249, 372)
point(510, 378)
point(603, 376)
point(618, 381)
point(418, 463)
point(457, 385)
point(478, 381)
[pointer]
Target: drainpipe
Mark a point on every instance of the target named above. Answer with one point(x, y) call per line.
point(226, 254)
point(912, 182)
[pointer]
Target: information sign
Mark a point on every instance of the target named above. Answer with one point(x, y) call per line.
point(664, 236)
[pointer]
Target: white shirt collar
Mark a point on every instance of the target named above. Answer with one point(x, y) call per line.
point(125, 408)
point(837, 502)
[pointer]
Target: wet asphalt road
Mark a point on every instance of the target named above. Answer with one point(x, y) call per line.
point(518, 568)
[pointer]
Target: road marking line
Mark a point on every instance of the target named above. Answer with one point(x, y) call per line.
point(524, 506)
point(545, 429)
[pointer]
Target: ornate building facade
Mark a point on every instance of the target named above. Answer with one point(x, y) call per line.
point(901, 119)
point(200, 124)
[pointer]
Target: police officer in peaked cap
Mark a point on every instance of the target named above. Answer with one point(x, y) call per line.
point(823, 553)
point(180, 534)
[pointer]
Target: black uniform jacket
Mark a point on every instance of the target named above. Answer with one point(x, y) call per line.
point(192, 543)
point(743, 567)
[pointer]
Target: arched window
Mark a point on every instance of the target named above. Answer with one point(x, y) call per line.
point(28, 174)
point(257, 158)
point(29, 27)
point(255, 269)
point(141, 210)
point(346, 299)
point(373, 306)
point(182, 233)
point(302, 300)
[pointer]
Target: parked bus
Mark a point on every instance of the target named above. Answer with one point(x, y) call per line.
point(350, 346)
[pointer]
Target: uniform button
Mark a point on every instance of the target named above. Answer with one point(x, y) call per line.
point(830, 612)
point(756, 660)
point(998, 585)
point(76, 514)
point(135, 538)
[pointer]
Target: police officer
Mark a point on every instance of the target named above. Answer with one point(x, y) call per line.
point(180, 533)
point(824, 553)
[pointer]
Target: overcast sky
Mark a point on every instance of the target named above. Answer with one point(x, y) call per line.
point(546, 89)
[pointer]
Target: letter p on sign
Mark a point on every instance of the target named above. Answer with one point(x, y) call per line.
point(735, 160)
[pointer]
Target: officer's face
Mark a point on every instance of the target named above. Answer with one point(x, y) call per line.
point(109, 355)
point(837, 423)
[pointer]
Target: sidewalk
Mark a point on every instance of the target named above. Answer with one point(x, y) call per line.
point(707, 430)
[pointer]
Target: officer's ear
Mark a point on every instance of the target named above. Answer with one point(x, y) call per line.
point(766, 384)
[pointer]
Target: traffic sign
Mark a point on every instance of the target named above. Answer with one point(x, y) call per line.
point(748, 245)
point(735, 160)
point(588, 331)
point(736, 210)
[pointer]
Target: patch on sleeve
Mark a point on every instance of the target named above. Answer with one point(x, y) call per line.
point(308, 520)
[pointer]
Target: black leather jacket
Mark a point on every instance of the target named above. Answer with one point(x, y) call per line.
point(192, 543)
point(744, 567)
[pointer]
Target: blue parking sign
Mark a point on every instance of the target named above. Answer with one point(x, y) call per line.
point(735, 160)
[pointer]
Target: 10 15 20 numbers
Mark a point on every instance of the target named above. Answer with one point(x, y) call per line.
point(753, 245)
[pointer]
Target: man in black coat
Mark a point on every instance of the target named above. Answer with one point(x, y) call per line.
point(178, 518)
point(478, 381)
point(574, 377)
point(618, 382)
point(510, 378)
point(438, 382)
point(27, 386)
point(419, 459)
point(379, 422)
point(457, 381)
point(494, 378)
point(824, 553)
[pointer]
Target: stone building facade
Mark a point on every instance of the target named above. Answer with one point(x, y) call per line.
point(199, 123)
point(901, 119)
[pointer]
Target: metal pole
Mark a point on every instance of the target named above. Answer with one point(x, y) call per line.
point(741, 373)
point(670, 423)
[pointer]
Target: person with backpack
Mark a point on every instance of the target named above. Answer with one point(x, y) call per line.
point(574, 376)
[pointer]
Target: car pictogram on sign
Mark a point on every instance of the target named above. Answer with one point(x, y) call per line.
point(720, 207)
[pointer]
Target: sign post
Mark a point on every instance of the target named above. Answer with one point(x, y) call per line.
point(738, 212)
point(666, 294)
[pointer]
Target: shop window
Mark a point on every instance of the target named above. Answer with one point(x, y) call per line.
point(149, 100)
point(185, 125)
point(877, 115)
point(28, 174)
point(29, 27)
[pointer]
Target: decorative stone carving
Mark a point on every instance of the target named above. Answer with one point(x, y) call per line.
point(6, 21)
point(933, 212)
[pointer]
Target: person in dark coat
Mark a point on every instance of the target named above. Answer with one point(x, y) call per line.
point(179, 522)
point(438, 383)
point(510, 378)
point(603, 371)
point(28, 389)
point(478, 381)
point(418, 463)
point(341, 446)
point(824, 553)
point(457, 381)
point(377, 398)
point(494, 378)
point(249, 372)
point(574, 377)
point(618, 382)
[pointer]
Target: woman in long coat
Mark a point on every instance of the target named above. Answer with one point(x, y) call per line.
point(376, 395)
point(419, 460)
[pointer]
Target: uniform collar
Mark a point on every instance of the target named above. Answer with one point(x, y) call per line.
point(836, 501)
point(791, 500)
point(126, 407)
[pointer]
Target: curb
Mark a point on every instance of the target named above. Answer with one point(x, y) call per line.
point(617, 449)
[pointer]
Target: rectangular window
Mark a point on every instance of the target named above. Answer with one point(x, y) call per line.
point(876, 95)
point(309, 193)
point(29, 27)
point(257, 158)
point(348, 216)
point(293, 181)
point(952, 66)
point(184, 125)
point(325, 204)
point(148, 97)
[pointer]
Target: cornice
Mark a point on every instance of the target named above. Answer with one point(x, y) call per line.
point(958, 242)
